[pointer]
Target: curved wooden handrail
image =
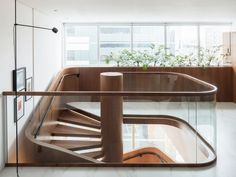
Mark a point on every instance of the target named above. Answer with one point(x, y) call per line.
point(147, 151)
point(75, 71)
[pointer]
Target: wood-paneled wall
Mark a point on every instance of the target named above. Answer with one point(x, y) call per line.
point(233, 59)
point(221, 77)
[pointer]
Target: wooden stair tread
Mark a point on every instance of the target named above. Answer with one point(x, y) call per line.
point(72, 117)
point(76, 145)
point(84, 112)
point(95, 154)
point(63, 130)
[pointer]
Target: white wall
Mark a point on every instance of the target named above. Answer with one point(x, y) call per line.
point(6, 59)
point(47, 45)
point(24, 59)
point(38, 50)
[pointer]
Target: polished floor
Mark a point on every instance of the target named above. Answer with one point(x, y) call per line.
point(225, 166)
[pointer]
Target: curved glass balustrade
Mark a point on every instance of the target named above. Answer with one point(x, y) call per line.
point(168, 119)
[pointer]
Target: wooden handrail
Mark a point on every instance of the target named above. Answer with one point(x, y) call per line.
point(144, 153)
point(212, 89)
point(110, 93)
point(139, 153)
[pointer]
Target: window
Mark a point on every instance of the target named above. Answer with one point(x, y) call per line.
point(144, 36)
point(90, 44)
point(212, 36)
point(81, 45)
point(114, 39)
point(182, 39)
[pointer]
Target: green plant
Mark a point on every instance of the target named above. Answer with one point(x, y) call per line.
point(183, 60)
point(137, 58)
point(161, 56)
point(158, 53)
point(126, 57)
point(113, 57)
point(211, 56)
point(147, 59)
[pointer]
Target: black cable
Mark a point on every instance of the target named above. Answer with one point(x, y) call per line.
point(55, 30)
point(15, 60)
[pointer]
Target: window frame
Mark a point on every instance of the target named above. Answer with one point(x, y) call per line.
point(131, 24)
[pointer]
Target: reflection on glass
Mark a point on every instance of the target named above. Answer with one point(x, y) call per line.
point(178, 144)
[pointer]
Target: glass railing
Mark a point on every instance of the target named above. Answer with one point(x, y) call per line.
point(163, 82)
point(175, 126)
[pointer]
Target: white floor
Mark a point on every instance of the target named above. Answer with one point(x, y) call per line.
point(225, 166)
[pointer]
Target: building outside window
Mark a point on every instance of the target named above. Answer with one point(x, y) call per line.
point(182, 39)
point(113, 39)
point(144, 36)
point(81, 45)
point(90, 44)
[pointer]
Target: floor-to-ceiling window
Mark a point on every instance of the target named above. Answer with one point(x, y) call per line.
point(89, 44)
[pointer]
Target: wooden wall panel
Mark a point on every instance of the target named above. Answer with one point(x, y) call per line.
point(229, 44)
point(233, 59)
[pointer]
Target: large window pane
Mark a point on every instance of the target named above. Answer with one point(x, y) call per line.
point(216, 39)
point(81, 45)
point(212, 36)
point(144, 36)
point(90, 44)
point(114, 39)
point(182, 39)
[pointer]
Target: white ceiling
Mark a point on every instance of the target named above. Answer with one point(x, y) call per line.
point(138, 10)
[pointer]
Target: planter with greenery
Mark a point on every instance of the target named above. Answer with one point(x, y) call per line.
point(159, 56)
